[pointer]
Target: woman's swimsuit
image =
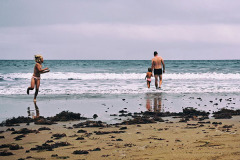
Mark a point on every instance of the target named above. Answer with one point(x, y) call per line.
point(36, 78)
point(149, 79)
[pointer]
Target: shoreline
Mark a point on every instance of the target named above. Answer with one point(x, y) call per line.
point(106, 104)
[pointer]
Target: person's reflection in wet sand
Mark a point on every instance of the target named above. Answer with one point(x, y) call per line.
point(148, 105)
point(156, 106)
point(33, 114)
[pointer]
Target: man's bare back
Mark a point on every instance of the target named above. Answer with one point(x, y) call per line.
point(157, 62)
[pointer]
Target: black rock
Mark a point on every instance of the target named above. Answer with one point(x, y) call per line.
point(81, 131)
point(80, 152)
point(5, 153)
point(95, 116)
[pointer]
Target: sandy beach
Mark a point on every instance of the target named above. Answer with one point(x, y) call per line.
point(169, 139)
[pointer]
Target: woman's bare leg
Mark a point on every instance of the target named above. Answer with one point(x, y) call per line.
point(32, 85)
point(37, 83)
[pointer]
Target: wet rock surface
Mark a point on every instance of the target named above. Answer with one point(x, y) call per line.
point(24, 131)
point(50, 147)
point(107, 132)
point(225, 113)
point(90, 124)
point(58, 135)
point(5, 153)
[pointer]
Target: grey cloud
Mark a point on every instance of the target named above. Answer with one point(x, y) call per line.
point(44, 12)
point(119, 29)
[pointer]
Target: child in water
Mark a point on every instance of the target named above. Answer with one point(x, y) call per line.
point(148, 77)
point(36, 75)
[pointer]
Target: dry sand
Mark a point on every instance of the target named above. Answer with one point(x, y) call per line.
point(163, 140)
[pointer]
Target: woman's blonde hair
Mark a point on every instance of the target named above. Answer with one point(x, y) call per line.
point(38, 58)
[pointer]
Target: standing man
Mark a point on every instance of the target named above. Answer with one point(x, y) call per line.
point(157, 65)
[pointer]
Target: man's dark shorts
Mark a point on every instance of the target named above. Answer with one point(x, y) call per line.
point(158, 71)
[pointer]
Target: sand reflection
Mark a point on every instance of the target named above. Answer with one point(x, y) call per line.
point(33, 113)
point(154, 102)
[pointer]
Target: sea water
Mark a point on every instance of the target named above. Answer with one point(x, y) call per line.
point(106, 86)
point(120, 76)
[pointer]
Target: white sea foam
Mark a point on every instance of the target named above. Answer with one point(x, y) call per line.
point(113, 83)
point(121, 76)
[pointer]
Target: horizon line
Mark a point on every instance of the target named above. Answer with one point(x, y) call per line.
point(125, 59)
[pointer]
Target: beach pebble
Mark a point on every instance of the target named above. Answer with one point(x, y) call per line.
point(80, 138)
point(80, 152)
point(5, 153)
point(81, 131)
point(43, 128)
point(123, 128)
point(54, 155)
point(95, 116)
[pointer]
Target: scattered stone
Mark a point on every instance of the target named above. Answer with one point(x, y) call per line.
point(129, 145)
point(105, 155)
point(139, 120)
point(74, 135)
point(58, 136)
point(5, 146)
point(96, 149)
point(49, 141)
point(82, 131)
point(159, 139)
point(5, 153)
point(123, 128)
point(122, 111)
point(217, 123)
point(16, 121)
point(54, 155)
point(90, 124)
point(95, 116)
point(119, 139)
point(43, 128)
point(107, 132)
point(24, 131)
point(18, 138)
point(80, 152)
point(43, 121)
point(225, 113)
point(227, 126)
point(80, 138)
point(10, 129)
point(201, 122)
point(15, 147)
point(50, 147)
point(67, 116)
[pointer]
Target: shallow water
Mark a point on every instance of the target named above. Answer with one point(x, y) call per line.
point(105, 105)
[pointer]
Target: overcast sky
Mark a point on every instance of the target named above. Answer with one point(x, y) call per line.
point(120, 29)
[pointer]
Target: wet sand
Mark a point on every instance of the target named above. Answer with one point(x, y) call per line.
point(170, 139)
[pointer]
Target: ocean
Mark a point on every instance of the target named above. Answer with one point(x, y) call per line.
point(120, 76)
point(104, 87)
